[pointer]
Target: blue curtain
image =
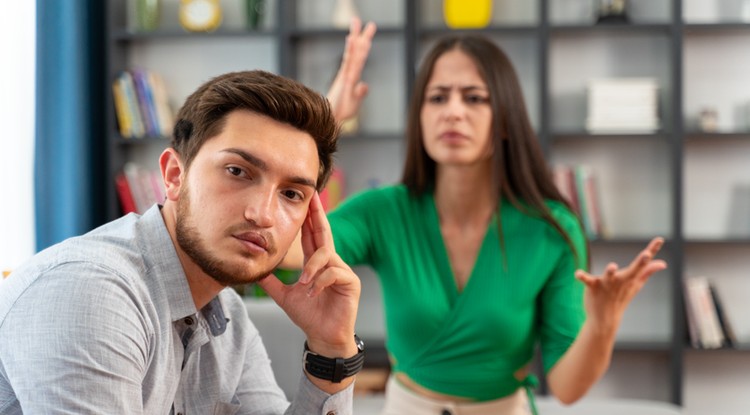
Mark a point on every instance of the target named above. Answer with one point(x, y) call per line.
point(69, 135)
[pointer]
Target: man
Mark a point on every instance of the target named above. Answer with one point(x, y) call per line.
point(135, 317)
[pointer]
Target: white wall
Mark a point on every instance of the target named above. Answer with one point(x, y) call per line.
point(17, 45)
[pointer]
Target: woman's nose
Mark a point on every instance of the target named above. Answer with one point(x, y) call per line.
point(455, 107)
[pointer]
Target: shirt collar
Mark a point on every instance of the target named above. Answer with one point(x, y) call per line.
point(163, 268)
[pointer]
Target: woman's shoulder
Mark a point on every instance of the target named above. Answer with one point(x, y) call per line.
point(567, 219)
point(562, 213)
point(388, 194)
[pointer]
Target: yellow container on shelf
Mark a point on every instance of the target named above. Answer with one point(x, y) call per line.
point(467, 14)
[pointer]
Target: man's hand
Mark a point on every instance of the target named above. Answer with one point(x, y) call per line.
point(323, 303)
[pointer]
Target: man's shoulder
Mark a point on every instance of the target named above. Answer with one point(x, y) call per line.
point(110, 253)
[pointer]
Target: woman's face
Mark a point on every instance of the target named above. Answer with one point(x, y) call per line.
point(456, 115)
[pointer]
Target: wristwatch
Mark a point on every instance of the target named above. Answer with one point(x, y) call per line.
point(334, 369)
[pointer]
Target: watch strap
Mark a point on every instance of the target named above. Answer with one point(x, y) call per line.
point(332, 369)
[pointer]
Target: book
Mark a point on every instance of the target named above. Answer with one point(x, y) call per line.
point(704, 310)
point(127, 203)
point(730, 339)
point(562, 176)
point(586, 199)
point(140, 189)
point(578, 185)
point(124, 122)
point(145, 102)
point(591, 191)
point(157, 185)
point(164, 113)
point(128, 87)
point(628, 105)
point(691, 311)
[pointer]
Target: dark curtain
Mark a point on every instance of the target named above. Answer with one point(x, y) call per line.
point(70, 142)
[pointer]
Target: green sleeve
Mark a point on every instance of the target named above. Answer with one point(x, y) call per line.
point(352, 224)
point(562, 312)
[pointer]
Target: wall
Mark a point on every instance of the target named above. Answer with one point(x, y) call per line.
point(17, 40)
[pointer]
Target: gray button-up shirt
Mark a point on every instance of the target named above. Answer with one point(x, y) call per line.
point(105, 323)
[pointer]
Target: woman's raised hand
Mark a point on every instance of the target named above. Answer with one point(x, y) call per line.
point(348, 90)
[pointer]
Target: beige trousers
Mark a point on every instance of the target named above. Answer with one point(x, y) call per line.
point(400, 400)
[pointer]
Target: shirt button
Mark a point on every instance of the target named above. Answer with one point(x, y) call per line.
point(189, 321)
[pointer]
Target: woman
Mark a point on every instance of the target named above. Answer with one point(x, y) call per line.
point(479, 256)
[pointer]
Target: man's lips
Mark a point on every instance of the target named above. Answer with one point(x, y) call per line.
point(254, 241)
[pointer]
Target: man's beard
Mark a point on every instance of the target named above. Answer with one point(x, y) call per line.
point(189, 240)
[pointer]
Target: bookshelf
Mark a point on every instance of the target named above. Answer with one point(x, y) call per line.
point(691, 187)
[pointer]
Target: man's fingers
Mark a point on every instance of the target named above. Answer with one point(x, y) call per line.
point(273, 287)
point(319, 227)
point(316, 232)
point(331, 277)
point(315, 263)
point(306, 239)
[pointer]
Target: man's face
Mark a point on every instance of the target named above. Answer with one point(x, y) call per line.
point(245, 197)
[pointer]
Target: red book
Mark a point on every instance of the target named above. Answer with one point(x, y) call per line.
point(127, 203)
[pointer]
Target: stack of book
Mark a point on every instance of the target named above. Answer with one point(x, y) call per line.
point(708, 324)
point(142, 105)
point(578, 186)
point(139, 188)
point(623, 105)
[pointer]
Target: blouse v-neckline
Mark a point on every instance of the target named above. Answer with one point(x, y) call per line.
point(441, 249)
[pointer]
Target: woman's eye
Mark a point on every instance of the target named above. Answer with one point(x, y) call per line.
point(436, 99)
point(476, 99)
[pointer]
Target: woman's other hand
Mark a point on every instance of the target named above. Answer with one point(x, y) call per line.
point(608, 295)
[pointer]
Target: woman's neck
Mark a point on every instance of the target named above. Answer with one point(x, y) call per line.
point(465, 196)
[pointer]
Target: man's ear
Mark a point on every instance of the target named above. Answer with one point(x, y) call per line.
point(172, 172)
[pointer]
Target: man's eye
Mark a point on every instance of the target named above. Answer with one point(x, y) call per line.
point(235, 171)
point(293, 195)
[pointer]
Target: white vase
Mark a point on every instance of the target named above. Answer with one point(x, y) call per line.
point(343, 11)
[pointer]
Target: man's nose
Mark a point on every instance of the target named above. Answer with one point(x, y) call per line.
point(260, 208)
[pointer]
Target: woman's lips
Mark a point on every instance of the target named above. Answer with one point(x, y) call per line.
point(452, 137)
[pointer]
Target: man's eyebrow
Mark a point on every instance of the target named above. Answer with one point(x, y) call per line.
point(255, 161)
point(261, 165)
